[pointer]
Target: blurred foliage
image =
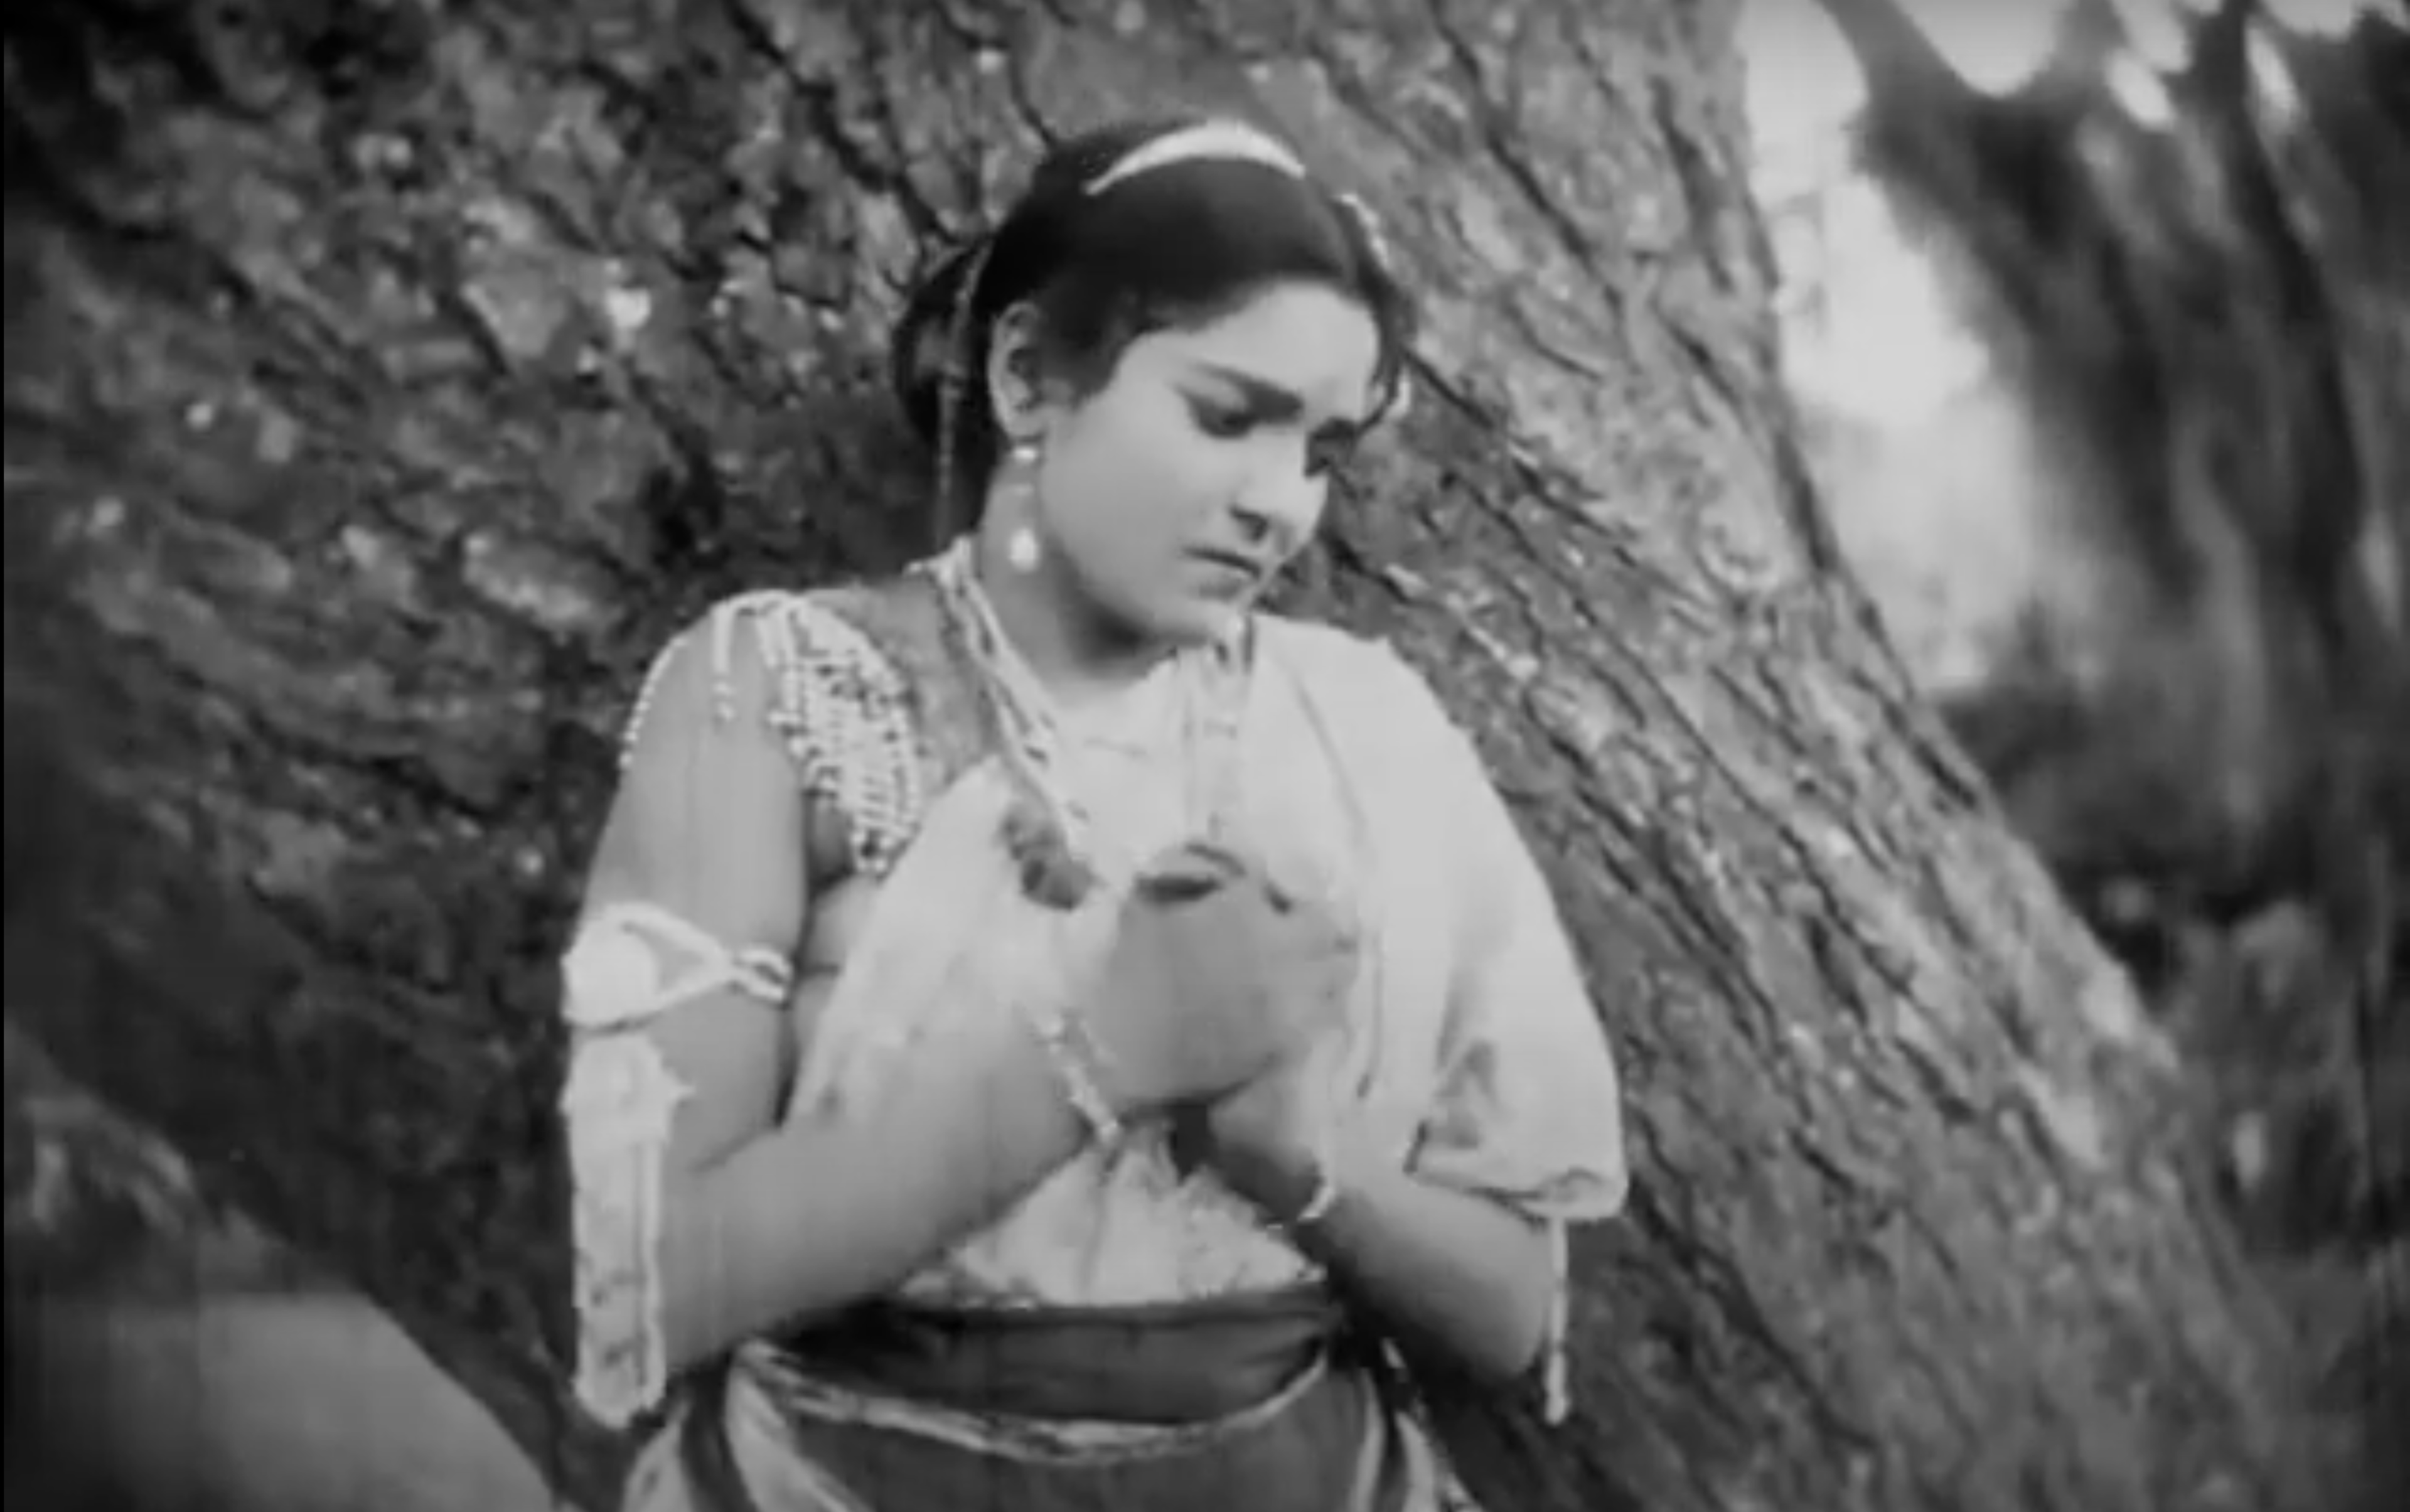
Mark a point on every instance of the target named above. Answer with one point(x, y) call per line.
point(2197, 278)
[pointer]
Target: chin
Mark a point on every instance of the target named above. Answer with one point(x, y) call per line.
point(1200, 622)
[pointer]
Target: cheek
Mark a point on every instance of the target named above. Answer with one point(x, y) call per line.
point(1301, 497)
point(1135, 476)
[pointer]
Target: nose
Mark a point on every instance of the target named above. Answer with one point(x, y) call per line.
point(1280, 503)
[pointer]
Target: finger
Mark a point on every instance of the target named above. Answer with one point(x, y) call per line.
point(1186, 873)
point(1290, 890)
point(1313, 929)
point(1325, 983)
point(1212, 854)
point(1270, 856)
point(1178, 886)
point(1283, 885)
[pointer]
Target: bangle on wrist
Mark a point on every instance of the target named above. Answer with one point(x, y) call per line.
point(1319, 1200)
point(1078, 1061)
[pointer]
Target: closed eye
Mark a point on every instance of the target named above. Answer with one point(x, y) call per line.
point(1226, 422)
point(1263, 403)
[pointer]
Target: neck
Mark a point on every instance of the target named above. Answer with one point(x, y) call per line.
point(1077, 652)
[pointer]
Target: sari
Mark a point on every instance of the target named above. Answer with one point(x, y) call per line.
point(1131, 1333)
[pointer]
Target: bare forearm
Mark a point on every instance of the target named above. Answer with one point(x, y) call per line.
point(818, 1215)
point(1447, 1272)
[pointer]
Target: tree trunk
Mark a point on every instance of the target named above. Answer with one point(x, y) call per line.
point(385, 381)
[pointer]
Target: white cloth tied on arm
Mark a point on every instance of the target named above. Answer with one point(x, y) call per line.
point(614, 975)
point(630, 964)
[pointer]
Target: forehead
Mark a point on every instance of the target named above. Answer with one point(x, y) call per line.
point(1304, 338)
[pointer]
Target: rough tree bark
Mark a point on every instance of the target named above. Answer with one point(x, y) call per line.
point(385, 381)
point(2196, 277)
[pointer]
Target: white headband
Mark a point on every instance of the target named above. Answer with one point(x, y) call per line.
point(1223, 140)
point(1235, 141)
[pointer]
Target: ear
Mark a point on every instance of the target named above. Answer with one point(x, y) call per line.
point(1016, 376)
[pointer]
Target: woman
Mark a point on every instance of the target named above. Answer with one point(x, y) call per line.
point(1048, 1035)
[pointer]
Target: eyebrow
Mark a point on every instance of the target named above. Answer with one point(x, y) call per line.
point(1261, 393)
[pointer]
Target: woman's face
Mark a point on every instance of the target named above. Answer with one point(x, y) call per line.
point(1172, 494)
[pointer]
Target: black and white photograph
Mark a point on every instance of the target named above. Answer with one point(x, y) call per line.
point(1208, 756)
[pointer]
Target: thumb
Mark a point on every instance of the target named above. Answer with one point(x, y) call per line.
point(1187, 872)
point(1285, 864)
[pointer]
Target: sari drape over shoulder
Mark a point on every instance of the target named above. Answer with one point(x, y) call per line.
point(1130, 1333)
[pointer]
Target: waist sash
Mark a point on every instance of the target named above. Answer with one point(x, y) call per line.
point(1252, 1402)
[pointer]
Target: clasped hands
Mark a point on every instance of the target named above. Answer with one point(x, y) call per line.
point(1219, 977)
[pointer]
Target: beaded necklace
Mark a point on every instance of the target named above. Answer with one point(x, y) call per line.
point(1047, 828)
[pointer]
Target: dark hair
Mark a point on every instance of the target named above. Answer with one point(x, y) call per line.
point(1172, 245)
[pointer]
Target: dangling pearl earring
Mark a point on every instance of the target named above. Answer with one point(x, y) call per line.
point(1022, 548)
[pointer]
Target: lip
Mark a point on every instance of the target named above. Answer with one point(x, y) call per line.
point(1228, 561)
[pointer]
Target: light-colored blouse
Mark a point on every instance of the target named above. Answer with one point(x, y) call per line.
point(1469, 1050)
